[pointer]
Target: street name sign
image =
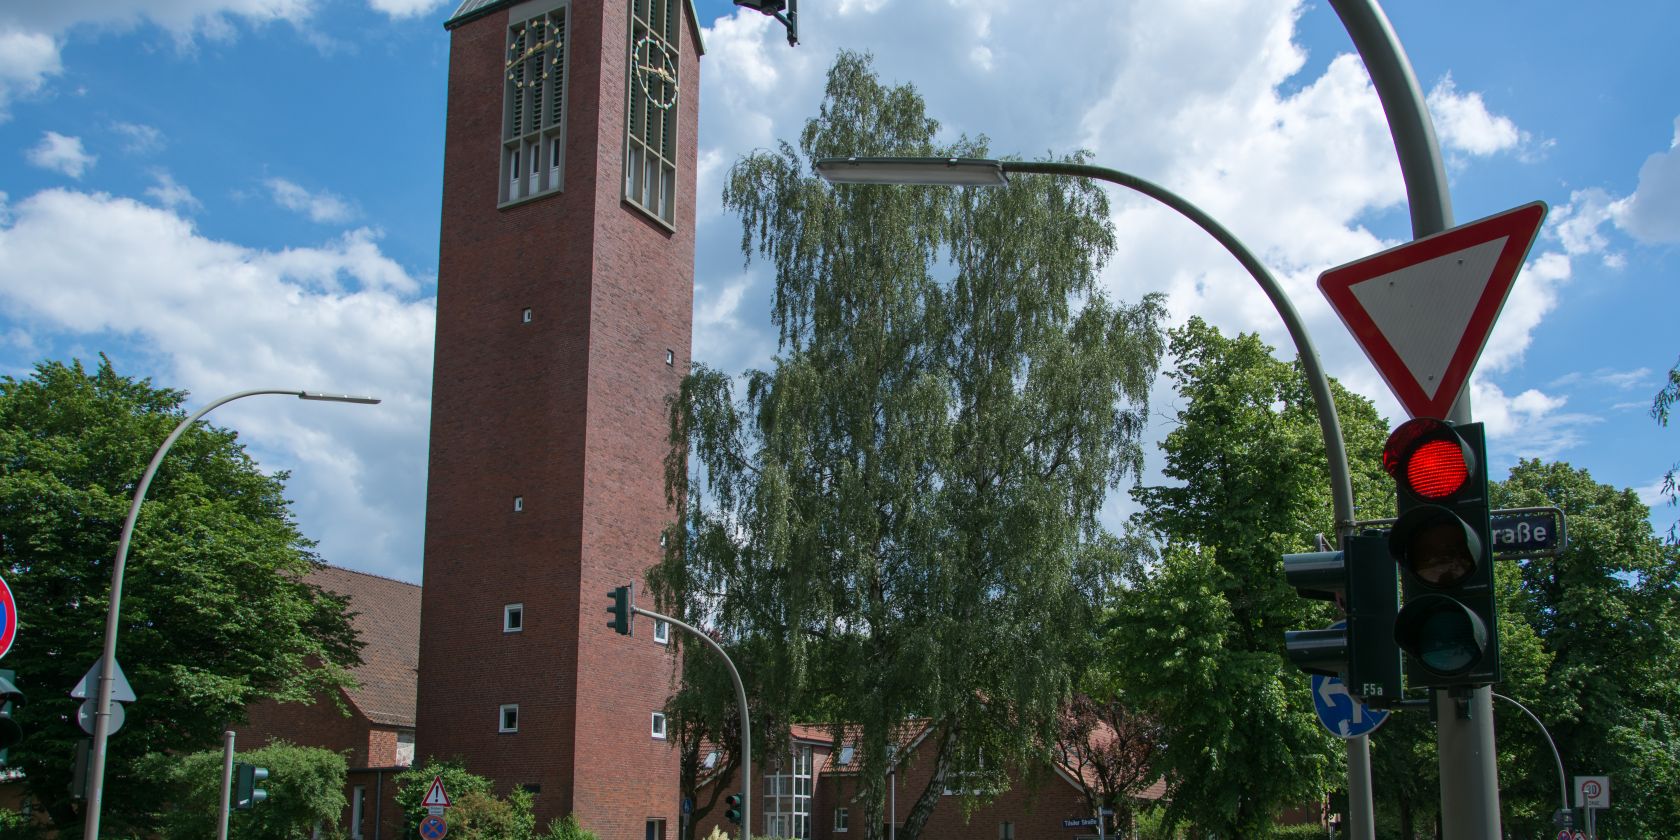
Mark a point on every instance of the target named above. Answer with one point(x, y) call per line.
point(1528, 532)
point(1423, 311)
point(1080, 822)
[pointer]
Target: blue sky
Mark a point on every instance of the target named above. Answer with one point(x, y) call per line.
point(228, 194)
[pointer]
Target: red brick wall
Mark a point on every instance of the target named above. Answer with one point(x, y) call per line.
point(567, 412)
point(317, 724)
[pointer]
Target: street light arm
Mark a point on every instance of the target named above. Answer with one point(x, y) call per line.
point(1563, 784)
point(1341, 486)
point(108, 656)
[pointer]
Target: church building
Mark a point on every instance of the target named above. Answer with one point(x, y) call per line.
point(565, 295)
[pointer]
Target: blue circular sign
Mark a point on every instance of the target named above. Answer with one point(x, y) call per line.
point(1338, 710)
point(433, 827)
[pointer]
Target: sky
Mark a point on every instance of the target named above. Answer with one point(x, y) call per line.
point(233, 194)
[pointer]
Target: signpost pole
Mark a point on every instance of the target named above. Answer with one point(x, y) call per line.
point(740, 698)
point(227, 786)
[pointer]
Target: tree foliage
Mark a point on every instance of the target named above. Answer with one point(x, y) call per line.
point(1661, 405)
point(1197, 641)
point(305, 792)
point(215, 613)
point(901, 510)
point(477, 813)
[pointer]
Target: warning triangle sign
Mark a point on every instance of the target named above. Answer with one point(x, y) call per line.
point(1423, 311)
point(435, 794)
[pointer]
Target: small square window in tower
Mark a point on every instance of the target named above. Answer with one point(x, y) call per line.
point(534, 104)
point(650, 114)
point(659, 725)
point(513, 618)
point(509, 718)
point(661, 631)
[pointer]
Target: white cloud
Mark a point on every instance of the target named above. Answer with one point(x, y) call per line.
point(405, 8)
point(102, 271)
point(1652, 213)
point(1531, 424)
point(139, 139)
point(170, 194)
point(61, 154)
point(26, 60)
point(320, 206)
point(1463, 122)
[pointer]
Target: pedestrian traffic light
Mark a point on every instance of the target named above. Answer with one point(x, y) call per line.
point(734, 812)
point(1448, 623)
point(620, 610)
point(246, 794)
point(10, 731)
point(1362, 654)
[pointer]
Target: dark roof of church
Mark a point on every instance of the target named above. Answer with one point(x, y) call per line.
point(471, 9)
point(386, 615)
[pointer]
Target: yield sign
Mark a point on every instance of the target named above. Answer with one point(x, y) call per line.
point(1423, 311)
point(435, 794)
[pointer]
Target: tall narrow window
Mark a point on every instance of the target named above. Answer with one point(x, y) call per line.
point(358, 796)
point(787, 797)
point(650, 124)
point(534, 97)
point(509, 718)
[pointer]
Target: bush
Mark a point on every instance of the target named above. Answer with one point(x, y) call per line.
point(305, 792)
point(568, 829)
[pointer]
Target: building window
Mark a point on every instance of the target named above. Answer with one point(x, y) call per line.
point(1006, 831)
point(358, 797)
point(513, 618)
point(787, 798)
point(405, 748)
point(655, 830)
point(510, 718)
point(659, 725)
point(661, 631)
point(650, 142)
point(518, 503)
point(534, 102)
point(670, 358)
point(711, 760)
point(525, 316)
point(840, 819)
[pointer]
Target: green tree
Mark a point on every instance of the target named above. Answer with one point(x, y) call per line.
point(902, 510)
point(305, 792)
point(1198, 640)
point(1661, 405)
point(215, 614)
point(1607, 615)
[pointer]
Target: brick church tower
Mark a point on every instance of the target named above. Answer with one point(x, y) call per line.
point(565, 295)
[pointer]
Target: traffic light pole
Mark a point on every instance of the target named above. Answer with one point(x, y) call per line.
point(227, 786)
point(1464, 725)
point(740, 698)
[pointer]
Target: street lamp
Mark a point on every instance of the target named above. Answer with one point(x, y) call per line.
point(107, 669)
point(978, 172)
point(784, 11)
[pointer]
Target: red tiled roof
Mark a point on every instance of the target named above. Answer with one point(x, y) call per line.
point(386, 615)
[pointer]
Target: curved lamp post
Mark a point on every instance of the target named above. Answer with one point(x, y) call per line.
point(107, 674)
point(975, 172)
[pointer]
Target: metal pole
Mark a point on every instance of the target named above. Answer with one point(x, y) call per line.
point(1563, 784)
point(746, 727)
point(1361, 810)
point(227, 785)
point(1464, 729)
point(107, 672)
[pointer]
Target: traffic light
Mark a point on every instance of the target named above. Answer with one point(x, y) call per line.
point(1448, 623)
point(1363, 653)
point(10, 731)
point(734, 812)
point(246, 794)
point(620, 610)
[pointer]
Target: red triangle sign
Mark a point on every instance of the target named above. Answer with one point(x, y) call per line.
point(1423, 311)
point(435, 795)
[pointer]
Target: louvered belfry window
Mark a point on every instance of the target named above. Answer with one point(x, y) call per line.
point(533, 122)
point(650, 146)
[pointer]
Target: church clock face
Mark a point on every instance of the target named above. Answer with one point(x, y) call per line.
point(656, 72)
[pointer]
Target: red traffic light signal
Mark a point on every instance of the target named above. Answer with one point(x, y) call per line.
point(1441, 540)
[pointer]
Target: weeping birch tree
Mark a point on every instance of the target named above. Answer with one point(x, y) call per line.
point(901, 512)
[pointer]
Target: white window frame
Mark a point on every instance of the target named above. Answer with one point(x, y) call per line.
point(513, 618)
point(502, 718)
point(787, 794)
point(842, 818)
point(661, 631)
point(658, 726)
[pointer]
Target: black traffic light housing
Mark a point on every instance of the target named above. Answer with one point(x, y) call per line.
point(620, 610)
point(734, 812)
point(10, 732)
point(246, 794)
point(1363, 654)
point(1448, 622)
